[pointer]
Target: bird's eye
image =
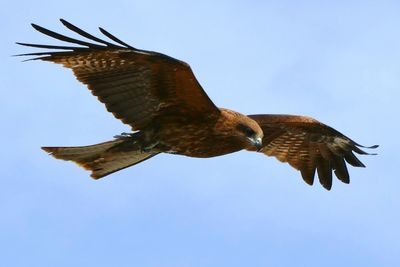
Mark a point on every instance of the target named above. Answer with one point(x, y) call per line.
point(246, 130)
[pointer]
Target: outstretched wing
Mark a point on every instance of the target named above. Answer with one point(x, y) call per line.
point(135, 85)
point(309, 145)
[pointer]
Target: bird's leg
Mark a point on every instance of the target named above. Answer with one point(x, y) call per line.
point(148, 139)
point(124, 135)
point(145, 139)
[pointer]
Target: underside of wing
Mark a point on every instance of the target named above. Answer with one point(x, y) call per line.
point(309, 146)
point(135, 85)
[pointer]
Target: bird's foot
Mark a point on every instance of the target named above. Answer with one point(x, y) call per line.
point(124, 135)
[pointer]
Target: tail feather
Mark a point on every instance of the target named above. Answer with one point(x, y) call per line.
point(104, 158)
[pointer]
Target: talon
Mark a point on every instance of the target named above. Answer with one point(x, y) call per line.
point(124, 135)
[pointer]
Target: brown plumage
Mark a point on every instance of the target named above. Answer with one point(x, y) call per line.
point(169, 112)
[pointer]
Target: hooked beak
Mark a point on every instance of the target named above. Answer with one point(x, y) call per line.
point(257, 142)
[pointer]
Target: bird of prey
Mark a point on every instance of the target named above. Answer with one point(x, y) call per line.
point(169, 112)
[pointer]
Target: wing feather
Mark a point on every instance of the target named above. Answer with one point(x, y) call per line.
point(64, 38)
point(137, 86)
point(309, 146)
point(88, 35)
point(324, 170)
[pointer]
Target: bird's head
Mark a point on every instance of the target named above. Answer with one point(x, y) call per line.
point(245, 130)
point(250, 131)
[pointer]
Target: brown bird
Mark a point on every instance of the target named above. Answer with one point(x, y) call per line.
point(169, 112)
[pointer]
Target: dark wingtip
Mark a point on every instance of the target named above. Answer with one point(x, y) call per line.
point(115, 39)
point(36, 27)
point(65, 22)
point(327, 187)
point(356, 148)
point(23, 55)
point(19, 55)
point(307, 175)
point(369, 147)
point(361, 165)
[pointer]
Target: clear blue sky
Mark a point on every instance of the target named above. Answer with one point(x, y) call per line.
point(337, 61)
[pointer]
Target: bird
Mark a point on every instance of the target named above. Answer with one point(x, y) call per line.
point(168, 111)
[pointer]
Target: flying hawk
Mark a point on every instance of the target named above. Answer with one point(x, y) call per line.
point(169, 112)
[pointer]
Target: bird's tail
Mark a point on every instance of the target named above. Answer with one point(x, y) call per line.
point(104, 158)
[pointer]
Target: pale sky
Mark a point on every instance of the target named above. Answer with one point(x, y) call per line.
point(337, 61)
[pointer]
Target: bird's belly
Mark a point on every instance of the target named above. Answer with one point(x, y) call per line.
point(199, 143)
point(201, 150)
